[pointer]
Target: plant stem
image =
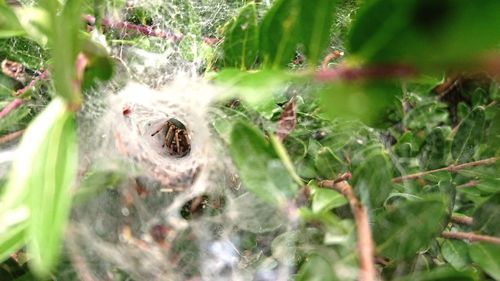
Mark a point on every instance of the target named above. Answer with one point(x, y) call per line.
point(11, 136)
point(472, 237)
point(343, 73)
point(11, 106)
point(451, 169)
point(465, 220)
point(365, 242)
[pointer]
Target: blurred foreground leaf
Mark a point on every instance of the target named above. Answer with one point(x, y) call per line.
point(366, 101)
point(425, 33)
point(9, 25)
point(42, 174)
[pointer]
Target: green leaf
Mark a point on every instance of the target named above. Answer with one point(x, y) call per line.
point(9, 25)
point(241, 38)
point(468, 137)
point(366, 101)
point(487, 257)
point(11, 238)
point(442, 273)
point(434, 150)
point(279, 33)
point(372, 186)
point(327, 164)
point(409, 227)
point(424, 33)
point(487, 216)
point(426, 115)
point(255, 88)
point(42, 174)
point(65, 44)
point(316, 268)
point(316, 20)
point(456, 253)
point(259, 166)
point(325, 199)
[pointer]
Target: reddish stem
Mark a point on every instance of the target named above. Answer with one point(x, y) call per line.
point(11, 106)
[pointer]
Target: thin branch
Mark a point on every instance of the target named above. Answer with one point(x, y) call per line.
point(469, 184)
point(344, 73)
point(11, 136)
point(43, 75)
point(465, 220)
point(11, 106)
point(365, 242)
point(472, 237)
point(451, 169)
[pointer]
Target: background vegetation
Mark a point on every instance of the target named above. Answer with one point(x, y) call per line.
point(377, 120)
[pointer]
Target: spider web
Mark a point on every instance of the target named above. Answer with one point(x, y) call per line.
point(167, 218)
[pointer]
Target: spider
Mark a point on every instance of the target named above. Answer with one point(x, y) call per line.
point(176, 140)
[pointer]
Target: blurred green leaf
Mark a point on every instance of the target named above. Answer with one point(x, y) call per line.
point(241, 38)
point(442, 273)
point(468, 136)
point(434, 150)
point(315, 25)
point(316, 268)
point(65, 44)
point(327, 164)
point(456, 253)
point(424, 33)
point(366, 101)
point(15, 120)
point(487, 216)
point(279, 33)
point(372, 185)
point(487, 257)
point(12, 238)
point(9, 25)
point(259, 166)
point(326, 199)
point(256, 88)
point(42, 173)
point(54, 168)
point(409, 227)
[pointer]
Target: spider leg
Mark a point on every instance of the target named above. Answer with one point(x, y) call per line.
point(170, 135)
point(177, 141)
point(157, 131)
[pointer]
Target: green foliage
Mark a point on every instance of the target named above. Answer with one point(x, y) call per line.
point(424, 33)
point(469, 136)
point(9, 25)
point(409, 227)
point(241, 39)
point(263, 172)
point(487, 256)
point(360, 114)
point(487, 216)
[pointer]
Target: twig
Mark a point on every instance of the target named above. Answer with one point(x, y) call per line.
point(472, 237)
point(465, 220)
point(331, 56)
point(11, 106)
point(366, 72)
point(146, 30)
point(11, 136)
point(451, 169)
point(469, 184)
point(40, 77)
point(365, 242)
